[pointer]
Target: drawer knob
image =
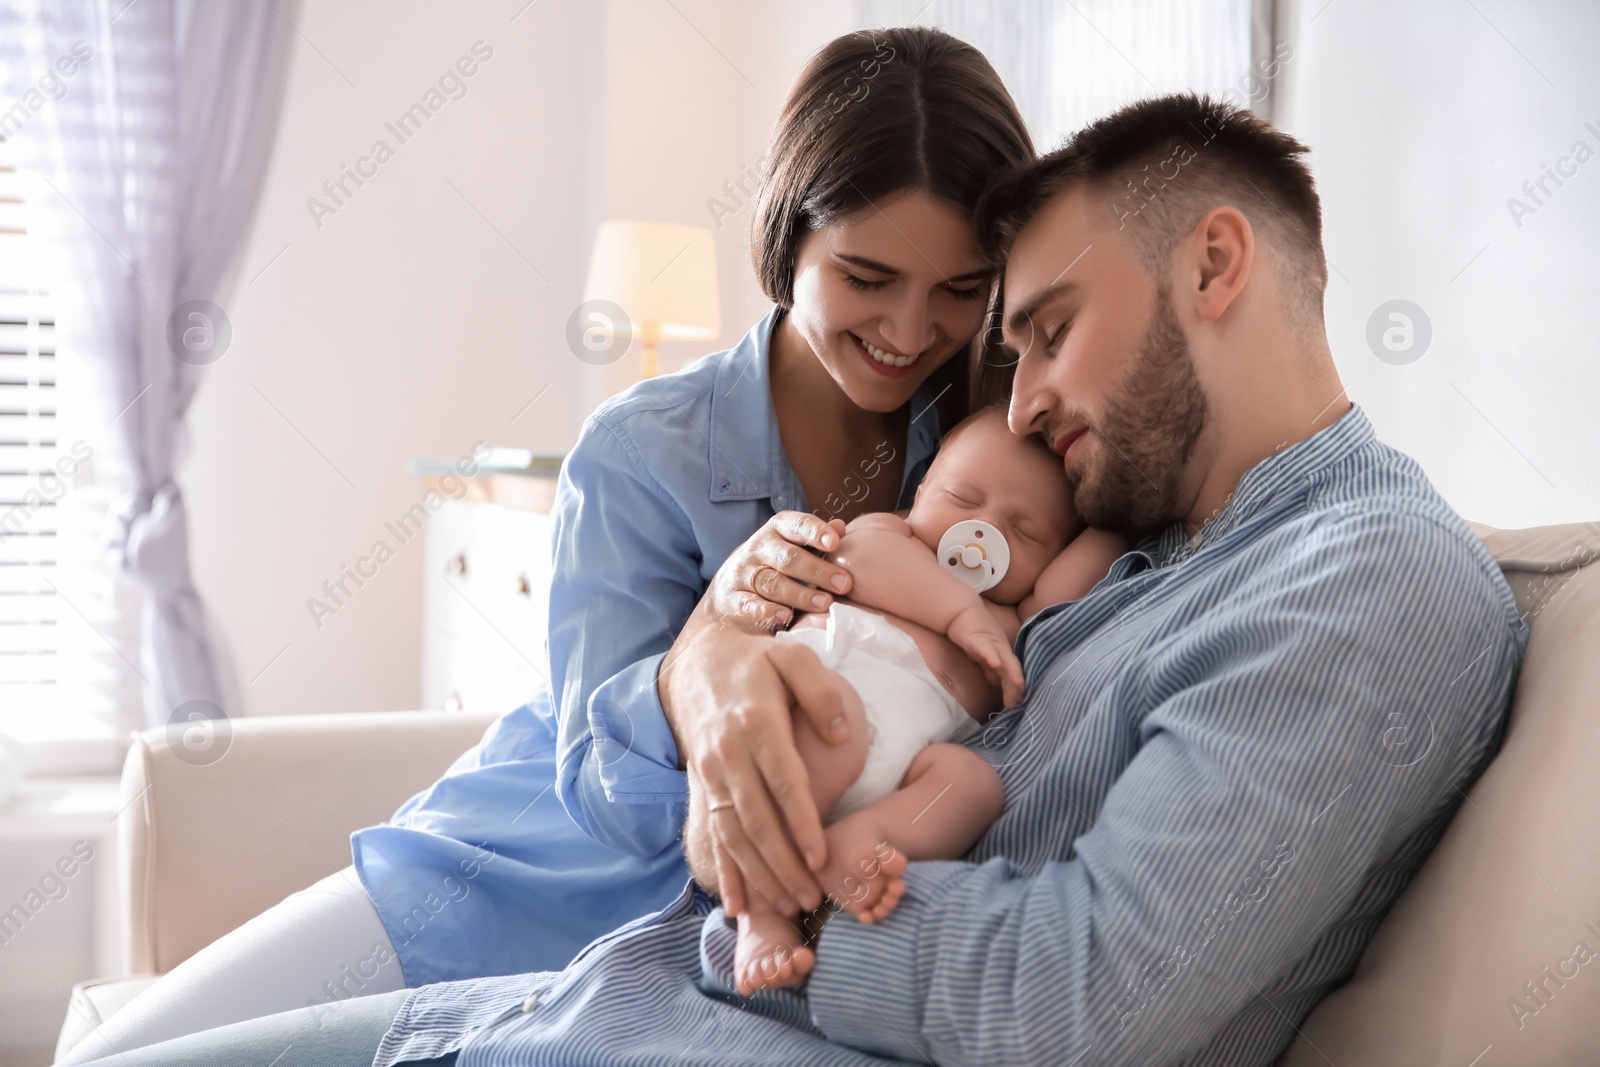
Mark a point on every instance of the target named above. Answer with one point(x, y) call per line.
point(453, 702)
point(456, 564)
point(523, 586)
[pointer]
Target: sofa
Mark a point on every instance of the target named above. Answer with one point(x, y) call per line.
point(1504, 912)
point(203, 852)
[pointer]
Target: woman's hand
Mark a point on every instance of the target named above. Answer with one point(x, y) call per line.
point(728, 696)
point(758, 585)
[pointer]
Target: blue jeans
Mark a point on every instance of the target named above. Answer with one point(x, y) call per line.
point(296, 1038)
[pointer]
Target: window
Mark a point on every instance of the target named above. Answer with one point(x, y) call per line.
point(1067, 62)
point(64, 630)
point(29, 663)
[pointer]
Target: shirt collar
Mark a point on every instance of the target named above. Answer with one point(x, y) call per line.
point(747, 460)
point(1282, 472)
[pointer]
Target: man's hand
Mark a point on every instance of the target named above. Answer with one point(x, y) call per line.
point(981, 637)
point(728, 697)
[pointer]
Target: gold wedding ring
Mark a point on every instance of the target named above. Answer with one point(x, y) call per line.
point(719, 805)
point(755, 579)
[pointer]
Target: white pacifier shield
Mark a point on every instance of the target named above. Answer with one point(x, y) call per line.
point(976, 553)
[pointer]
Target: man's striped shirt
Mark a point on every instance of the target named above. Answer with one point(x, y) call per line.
point(1234, 754)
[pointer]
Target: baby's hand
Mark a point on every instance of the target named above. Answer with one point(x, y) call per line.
point(976, 632)
point(995, 653)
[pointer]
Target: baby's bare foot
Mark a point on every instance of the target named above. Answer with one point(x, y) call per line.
point(863, 870)
point(770, 953)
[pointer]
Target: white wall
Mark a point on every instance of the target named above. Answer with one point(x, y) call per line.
point(1424, 119)
point(410, 325)
point(413, 322)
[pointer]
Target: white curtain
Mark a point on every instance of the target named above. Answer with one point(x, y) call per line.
point(1069, 61)
point(155, 150)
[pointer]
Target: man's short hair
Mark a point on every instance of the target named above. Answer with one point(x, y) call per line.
point(1161, 164)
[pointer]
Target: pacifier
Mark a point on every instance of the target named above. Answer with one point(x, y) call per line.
point(976, 553)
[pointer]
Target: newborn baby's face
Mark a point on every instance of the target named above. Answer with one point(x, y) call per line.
point(1014, 484)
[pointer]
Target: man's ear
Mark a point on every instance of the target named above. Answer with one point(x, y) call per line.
point(1224, 249)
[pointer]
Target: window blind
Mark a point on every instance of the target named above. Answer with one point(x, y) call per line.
point(30, 483)
point(69, 690)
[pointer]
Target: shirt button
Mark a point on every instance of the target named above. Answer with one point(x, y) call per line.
point(531, 1003)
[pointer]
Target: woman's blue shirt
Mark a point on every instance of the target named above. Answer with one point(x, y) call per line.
point(564, 821)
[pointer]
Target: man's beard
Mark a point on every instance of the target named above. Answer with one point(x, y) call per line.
point(1148, 434)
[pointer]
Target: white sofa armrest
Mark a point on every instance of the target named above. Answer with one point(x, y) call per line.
point(92, 1003)
point(206, 848)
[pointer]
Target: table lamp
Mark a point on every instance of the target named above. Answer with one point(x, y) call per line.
point(663, 276)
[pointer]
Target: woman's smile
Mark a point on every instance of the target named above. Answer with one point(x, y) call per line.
point(883, 361)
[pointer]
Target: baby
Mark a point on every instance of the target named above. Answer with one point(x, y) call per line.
point(936, 601)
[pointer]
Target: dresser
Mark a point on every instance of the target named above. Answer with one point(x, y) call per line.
point(486, 588)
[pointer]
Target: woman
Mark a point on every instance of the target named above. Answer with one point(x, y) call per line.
point(686, 502)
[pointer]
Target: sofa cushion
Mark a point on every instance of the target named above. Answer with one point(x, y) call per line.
point(1492, 953)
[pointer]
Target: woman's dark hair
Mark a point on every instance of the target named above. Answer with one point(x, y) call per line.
point(874, 113)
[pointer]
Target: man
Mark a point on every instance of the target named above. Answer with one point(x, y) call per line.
point(1234, 752)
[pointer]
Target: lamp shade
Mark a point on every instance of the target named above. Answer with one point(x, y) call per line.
point(662, 275)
